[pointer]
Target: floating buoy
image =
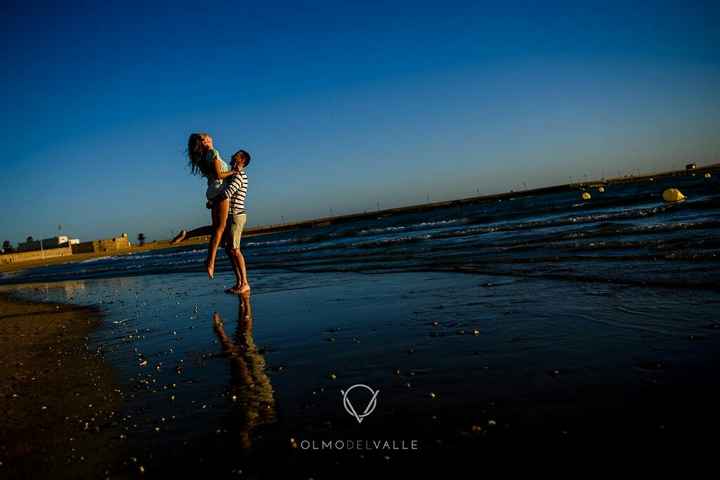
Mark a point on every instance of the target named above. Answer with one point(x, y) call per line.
point(673, 195)
point(601, 189)
point(707, 175)
point(586, 196)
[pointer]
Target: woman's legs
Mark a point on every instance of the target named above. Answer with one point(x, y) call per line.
point(219, 220)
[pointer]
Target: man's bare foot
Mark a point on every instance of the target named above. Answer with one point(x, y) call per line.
point(179, 237)
point(245, 288)
point(233, 290)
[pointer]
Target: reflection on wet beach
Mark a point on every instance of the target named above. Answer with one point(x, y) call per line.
point(250, 389)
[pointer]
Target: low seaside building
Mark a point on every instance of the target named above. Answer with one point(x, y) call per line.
point(102, 246)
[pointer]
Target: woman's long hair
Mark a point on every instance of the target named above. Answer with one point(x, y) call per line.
point(195, 153)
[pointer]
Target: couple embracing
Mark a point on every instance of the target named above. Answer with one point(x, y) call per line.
point(226, 190)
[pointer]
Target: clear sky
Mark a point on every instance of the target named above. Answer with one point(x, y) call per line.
point(343, 105)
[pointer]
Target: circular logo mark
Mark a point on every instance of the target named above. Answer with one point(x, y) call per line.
point(367, 410)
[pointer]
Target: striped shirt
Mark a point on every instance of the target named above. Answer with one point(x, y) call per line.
point(235, 189)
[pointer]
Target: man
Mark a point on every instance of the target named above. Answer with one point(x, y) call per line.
point(234, 189)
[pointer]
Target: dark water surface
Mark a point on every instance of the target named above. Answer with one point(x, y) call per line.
point(625, 235)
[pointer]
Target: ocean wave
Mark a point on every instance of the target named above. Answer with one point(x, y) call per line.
point(421, 225)
point(99, 259)
point(269, 242)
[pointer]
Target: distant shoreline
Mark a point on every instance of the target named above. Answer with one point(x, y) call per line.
point(338, 219)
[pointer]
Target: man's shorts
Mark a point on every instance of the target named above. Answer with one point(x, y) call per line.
point(236, 224)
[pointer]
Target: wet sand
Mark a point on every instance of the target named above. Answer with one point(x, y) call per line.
point(477, 369)
point(58, 399)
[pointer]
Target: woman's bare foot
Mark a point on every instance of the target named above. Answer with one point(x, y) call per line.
point(235, 289)
point(245, 288)
point(210, 267)
point(179, 237)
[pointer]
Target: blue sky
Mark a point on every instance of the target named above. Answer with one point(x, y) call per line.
point(343, 105)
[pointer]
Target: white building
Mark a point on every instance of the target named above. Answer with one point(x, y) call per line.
point(52, 242)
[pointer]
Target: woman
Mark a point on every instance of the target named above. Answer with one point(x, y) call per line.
point(204, 159)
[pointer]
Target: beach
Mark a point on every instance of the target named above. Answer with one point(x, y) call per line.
point(466, 365)
point(538, 325)
point(359, 240)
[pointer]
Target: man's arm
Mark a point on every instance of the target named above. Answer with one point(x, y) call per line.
point(230, 188)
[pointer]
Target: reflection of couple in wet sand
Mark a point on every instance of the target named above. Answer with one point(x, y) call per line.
point(226, 191)
point(250, 387)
